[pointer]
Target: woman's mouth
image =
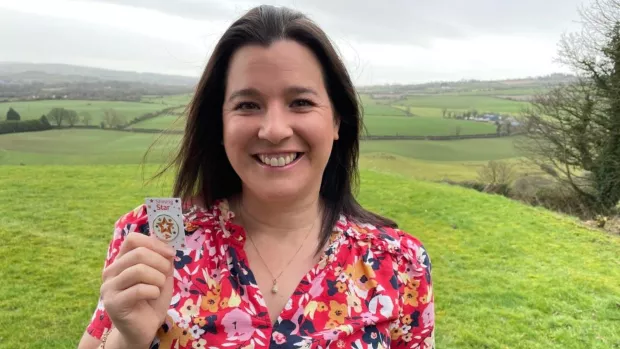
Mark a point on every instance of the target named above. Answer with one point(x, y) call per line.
point(278, 160)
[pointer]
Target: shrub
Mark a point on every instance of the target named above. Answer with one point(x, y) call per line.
point(497, 173)
point(23, 126)
point(551, 194)
point(12, 115)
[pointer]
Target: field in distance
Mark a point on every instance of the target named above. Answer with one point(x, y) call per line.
point(79, 146)
point(414, 116)
point(34, 109)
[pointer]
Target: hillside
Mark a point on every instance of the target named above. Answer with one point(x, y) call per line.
point(55, 73)
point(505, 275)
point(51, 81)
point(480, 86)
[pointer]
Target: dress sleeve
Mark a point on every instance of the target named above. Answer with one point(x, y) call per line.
point(133, 221)
point(415, 327)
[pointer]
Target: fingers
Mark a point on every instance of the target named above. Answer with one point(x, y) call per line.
point(139, 255)
point(130, 296)
point(136, 240)
point(138, 274)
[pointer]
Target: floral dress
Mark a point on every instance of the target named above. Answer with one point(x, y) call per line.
point(371, 289)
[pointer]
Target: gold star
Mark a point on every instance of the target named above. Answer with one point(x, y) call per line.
point(165, 226)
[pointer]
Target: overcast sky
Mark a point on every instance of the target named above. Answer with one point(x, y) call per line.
point(381, 41)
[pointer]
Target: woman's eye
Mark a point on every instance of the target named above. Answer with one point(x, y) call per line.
point(300, 103)
point(246, 106)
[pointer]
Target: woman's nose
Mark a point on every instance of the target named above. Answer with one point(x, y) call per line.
point(275, 125)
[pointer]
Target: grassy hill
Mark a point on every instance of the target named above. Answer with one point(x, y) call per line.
point(505, 275)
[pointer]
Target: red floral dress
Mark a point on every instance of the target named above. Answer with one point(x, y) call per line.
point(371, 289)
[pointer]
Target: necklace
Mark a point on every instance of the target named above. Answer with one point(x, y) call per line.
point(274, 287)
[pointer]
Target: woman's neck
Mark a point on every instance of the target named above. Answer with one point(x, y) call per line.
point(278, 218)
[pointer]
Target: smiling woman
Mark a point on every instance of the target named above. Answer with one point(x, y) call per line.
point(279, 254)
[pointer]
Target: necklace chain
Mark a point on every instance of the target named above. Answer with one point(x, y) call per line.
point(274, 288)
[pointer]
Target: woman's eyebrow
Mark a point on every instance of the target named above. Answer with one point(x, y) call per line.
point(252, 92)
point(300, 90)
point(246, 92)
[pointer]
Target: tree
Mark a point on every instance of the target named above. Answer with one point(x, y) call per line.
point(497, 173)
point(57, 114)
point(71, 116)
point(508, 127)
point(113, 119)
point(12, 115)
point(576, 127)
point(44, 120)
point(86, 118)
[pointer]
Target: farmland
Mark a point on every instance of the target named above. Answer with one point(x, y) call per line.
point(76, 146)
point(501, 269)
point(34, 109)
point(413, 116)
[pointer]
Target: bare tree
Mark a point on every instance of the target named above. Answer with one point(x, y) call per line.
point(71, 116)
point(576, 128)
point(497, 173)
point(57, 114)
point(112, 118)
point(86, 117)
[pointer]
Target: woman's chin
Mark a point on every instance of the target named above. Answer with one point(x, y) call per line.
point(279, 191)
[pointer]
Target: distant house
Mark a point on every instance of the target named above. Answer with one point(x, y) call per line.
point(491, 117)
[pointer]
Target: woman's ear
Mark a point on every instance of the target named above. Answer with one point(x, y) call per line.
point(336, 128)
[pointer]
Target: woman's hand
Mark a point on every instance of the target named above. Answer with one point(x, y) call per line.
point(137, 288)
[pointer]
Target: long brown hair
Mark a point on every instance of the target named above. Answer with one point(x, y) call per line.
point(203, 167)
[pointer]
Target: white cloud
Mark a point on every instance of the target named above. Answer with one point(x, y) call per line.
point(176, 37)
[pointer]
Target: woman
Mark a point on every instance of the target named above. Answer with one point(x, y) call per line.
point(280, 254)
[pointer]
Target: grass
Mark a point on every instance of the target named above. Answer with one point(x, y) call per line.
point(465, 102)
point(34, 110)
point(429, 170)
point(168, 100)
point(376, 125)
point(462, 150)
point(162, 122)
point(505, 275)
point(84, 147)
point(423, 126)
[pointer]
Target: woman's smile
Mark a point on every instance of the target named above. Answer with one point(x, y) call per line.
point(278, 160)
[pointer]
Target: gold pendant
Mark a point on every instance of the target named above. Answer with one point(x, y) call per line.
point(274, 288)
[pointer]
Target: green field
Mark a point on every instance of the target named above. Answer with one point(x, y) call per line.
point(34, 110)
point(163, 122)
point(168, 100)
point(375, 125)
point(462, 150)
point(423, 126)
point(505, 275)
point(82, 147)
point(482, 104)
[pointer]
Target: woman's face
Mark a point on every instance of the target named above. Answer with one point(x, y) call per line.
point(279, 125)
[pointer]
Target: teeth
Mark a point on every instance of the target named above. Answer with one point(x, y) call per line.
point(277, 161)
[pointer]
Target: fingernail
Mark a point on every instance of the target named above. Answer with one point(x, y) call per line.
point(171, 251)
